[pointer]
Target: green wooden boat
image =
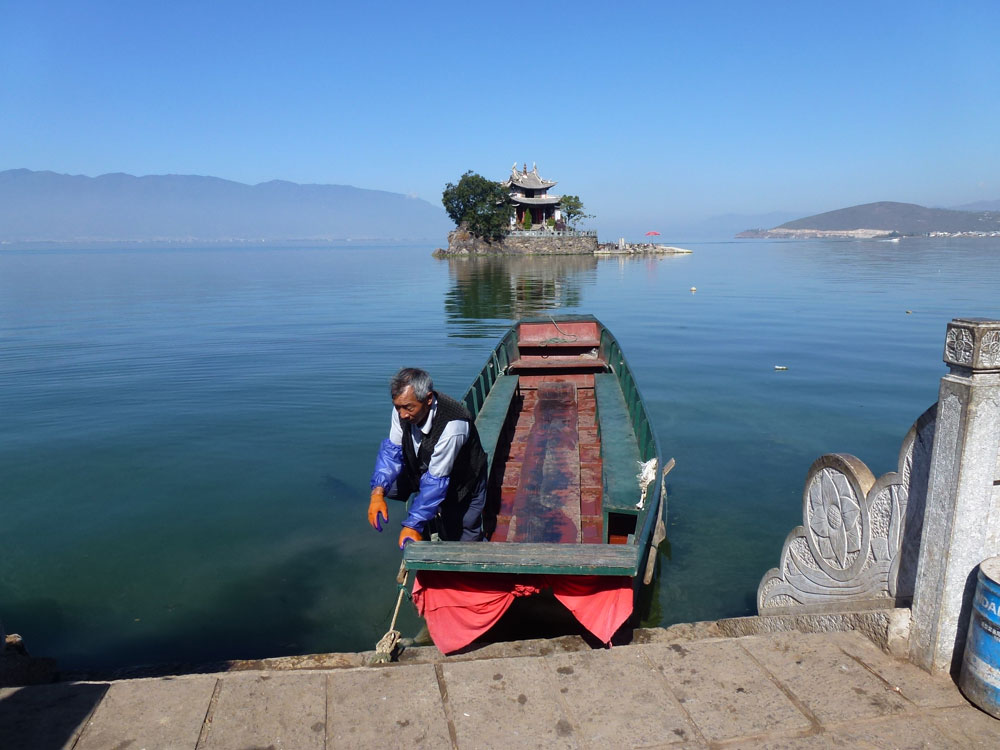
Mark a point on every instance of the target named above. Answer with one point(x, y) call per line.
point(567, 435)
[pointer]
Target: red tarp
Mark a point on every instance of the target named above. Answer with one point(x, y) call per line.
point(460, 607)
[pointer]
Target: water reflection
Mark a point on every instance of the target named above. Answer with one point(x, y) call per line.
point(507, 288)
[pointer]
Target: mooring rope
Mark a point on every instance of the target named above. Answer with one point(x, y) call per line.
point(569, 337)
point(385, 649)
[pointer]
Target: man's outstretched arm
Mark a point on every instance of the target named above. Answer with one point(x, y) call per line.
point(388, 466)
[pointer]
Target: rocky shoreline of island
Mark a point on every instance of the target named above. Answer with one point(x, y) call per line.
point(639, 248)
point(462, 243)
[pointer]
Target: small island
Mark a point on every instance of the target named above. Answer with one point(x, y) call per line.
point(519, 217)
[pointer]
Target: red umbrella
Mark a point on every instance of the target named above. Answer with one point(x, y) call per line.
point(651, 234)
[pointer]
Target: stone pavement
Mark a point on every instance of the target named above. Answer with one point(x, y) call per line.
point(782, 690)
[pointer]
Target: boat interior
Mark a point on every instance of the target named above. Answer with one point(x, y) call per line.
point(557, 427)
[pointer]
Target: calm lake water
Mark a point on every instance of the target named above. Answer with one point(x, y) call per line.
point(186, 436)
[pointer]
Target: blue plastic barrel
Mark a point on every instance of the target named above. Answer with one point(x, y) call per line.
point(980, 676)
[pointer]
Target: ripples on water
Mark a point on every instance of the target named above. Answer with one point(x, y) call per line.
point(186, 435)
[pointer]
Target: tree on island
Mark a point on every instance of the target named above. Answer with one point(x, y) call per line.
point(572, 210)
point(481, 204)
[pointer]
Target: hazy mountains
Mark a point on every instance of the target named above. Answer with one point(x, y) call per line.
point(885, 218)
point(45, 206)
point(979, 206)
point(50, 207)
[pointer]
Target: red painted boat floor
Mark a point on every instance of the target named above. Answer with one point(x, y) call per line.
point(547, 502)
point(551, 490)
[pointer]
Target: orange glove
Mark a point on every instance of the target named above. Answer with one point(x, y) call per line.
point(409, 535)
point(376, 508)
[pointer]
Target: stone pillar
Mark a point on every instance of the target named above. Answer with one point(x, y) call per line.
point(962, 515)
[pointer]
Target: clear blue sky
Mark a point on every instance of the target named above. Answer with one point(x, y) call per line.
point(656, 114)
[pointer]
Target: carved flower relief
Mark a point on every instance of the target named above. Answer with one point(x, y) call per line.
point(887, 521)
point(767, 599)
point(958, 346)
point(886, 514)
point(989, 350)
point(880, 514)
point(834, 518)
point(801, 556)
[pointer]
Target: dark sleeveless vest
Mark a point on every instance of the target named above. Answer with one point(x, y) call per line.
point(469, 463)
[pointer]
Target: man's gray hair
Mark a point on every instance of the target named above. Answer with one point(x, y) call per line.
point(411, 376)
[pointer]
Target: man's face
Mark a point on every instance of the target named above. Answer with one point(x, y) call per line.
point(410, 408)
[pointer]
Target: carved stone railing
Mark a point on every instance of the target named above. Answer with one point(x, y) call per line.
point(962, 523)
point(858, 545)
point(915, 537)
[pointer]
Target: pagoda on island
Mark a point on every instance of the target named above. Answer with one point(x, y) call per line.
point(529, 193)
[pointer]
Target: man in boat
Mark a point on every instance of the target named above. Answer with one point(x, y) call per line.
point(432, 450)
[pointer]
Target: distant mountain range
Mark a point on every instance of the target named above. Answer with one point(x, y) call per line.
point(886, 219)
point(45, 206)
point(979, 206)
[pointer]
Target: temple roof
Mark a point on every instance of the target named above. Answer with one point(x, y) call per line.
point(544, 200)
point(528, 180)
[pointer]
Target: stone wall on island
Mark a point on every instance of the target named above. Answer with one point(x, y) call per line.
point(462, 242)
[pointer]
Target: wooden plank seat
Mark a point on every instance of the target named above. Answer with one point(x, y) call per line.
point(565, 334)
point(530, 362)
point(619, 449)
point(493, 416)
point(526, 558)
point(577, 347)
